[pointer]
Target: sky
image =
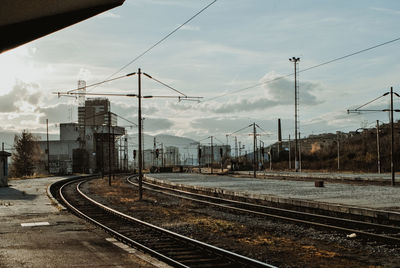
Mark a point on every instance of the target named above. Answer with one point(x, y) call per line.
point(231, 46)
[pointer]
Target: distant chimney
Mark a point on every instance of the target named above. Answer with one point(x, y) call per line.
point(279, 136)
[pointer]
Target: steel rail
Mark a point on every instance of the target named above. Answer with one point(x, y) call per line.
point(209, 248)
point(229, 205)
point(117, 234)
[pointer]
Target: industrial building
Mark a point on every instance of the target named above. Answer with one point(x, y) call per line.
point(87, 146)
point(158, 158)
point(213, 154)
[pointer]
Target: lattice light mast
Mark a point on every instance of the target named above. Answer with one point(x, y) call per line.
point(296, 112)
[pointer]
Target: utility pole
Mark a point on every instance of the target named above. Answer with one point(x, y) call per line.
point(391, 136)
point(48, 149)
point(261, 153)
point(290, 160)
point(392, 155)
point(140, 134)
point(113, 154)
point(109, 148)
point(154, 151)
point(378, 147)
point(236, 149)
point(270, 158)
point(300, 151)
point(254, 151)
point(162, 154)
point(279, 137)
point(240, 148)
point(296, 98)
point(338, 150)
point(212, 154)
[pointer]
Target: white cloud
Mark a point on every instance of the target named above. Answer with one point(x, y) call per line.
point(108, 15)
point(23, 97)
point(386, 10)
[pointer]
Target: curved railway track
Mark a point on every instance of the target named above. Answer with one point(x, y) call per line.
point(172, 248)
point(369, 231)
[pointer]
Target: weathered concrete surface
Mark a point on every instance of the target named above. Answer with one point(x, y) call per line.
point(373, 177)
point(67, 241)
point(348, 198)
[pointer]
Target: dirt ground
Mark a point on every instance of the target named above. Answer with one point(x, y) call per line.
point(277, 243)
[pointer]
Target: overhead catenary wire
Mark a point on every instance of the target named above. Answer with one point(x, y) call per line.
point(239, 130)
point(219, 140)
point(127, 120)
point(365, 104)
point(102, 82)
point(164, 84)
point(265, 132)
point(161, 40)
point(306, 69)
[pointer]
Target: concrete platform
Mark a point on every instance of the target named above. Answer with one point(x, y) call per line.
point(339, 176)
point(366, 200)
point(34, 233)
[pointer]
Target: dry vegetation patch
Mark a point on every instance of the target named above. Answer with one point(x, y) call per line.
point(284, 245)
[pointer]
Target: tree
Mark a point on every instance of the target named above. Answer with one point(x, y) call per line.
point(25, 155)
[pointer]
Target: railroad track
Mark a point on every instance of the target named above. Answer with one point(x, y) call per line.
point(169, 247)
point(365, 230)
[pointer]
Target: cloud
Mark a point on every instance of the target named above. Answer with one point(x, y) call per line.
point(282, 90)
point(157, 124)
point(223, 125)
point(108, 15)
point(275, 93)
point(244, 105)
point(130, 111)
point(386, 10)
point(55, 113)
point(23, 96)
point(152, 125)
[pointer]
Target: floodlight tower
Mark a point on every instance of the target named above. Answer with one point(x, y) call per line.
point(296, 110)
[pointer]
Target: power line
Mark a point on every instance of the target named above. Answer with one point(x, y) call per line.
point(162, 83)
point(162, 39)
point(306, 69)
point(265, 132)
point(102, 82)
point(219, 140)
point(239, 130)
point(127, 120)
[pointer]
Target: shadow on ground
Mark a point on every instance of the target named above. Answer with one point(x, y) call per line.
point(9, 193)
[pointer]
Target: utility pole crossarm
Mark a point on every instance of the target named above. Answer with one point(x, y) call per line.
point(391, 110)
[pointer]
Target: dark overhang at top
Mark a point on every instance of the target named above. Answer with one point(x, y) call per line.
point(22, 21)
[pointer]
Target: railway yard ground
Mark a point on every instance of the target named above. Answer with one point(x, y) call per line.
point(59, 238)
point(279, 243)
